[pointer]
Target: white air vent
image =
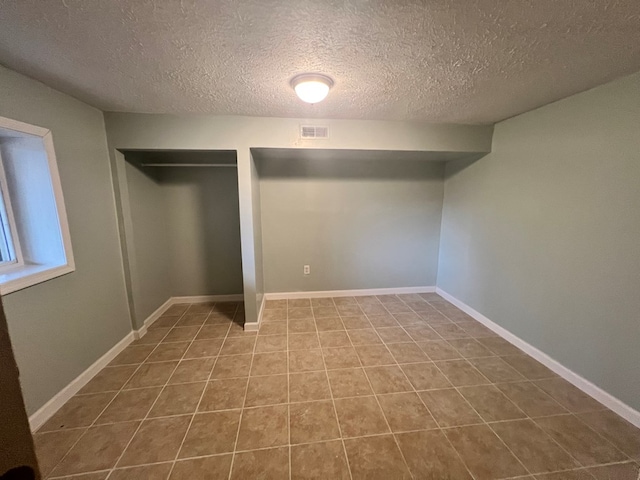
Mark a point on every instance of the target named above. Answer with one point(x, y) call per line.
point(314, 131)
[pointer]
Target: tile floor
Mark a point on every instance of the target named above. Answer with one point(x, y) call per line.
point(388, 387)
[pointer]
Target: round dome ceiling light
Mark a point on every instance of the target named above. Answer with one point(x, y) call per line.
point(312, 87)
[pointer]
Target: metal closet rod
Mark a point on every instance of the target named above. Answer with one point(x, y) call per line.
point(230, 165)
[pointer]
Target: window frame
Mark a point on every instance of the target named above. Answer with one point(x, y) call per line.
point(18, 274)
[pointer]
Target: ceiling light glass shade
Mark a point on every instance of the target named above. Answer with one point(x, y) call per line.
point(312, 88)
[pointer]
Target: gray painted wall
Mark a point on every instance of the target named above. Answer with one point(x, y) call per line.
point(358, 223)
point(60, 327)
point(541, 235)
point(152, 282)
point(185, 228)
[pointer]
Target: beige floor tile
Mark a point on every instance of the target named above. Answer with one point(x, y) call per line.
point(267, 390)
point(267, 464)
point(425, 376)
point(52, 446)
point(470, 348)
point(373, 355)
point(349, 310)
point(133, 355)
point(305, 361)
point(303, 341)
point(580, 441)
point(181, 334)
point(269, 363)
point(212, 331)
point(168, 351)
point(178, 399)
point(449, 408)
point(406, 412)
point(373, 309)
point(356, 321)
point(304, 313)
point(360, 416)
point(165, 321)
point(614, 428)
point(530, 399)
point(299, 303)
point(192, 319)
point(439, 350)
point(376, 458)
point(86, 476)
point(329, 324)
point(528, 367)
point(157, 440)
point(109, 379)
point(177, 309)
point(393, 334)
point(500, 346)
point(224, 394)
point(626, 471)
point(271, 343)
point(388, 379)
point(382, 321)
point(365, 336)
point(496, 370)
point(152, 337)
point(130, 405)
point(319, 461)
point(581, 474)
point(491, 403)
point(312, 422)
point(322, 302)
point(483, 453)
point(407, 352)
point(273, 328)
point(303, 325)
point(325, 312)
point(152, 375)
point(238, 345)
point(98, 449)
point(211, 433)
point(232, 366)
point(344, 301)
point(349, 382)
point(306, 387)
point(450, 331)
point(79, 411)
point(343, 357)
point(570, 397)
point(274, 314)
point(430, 456)
point(275, 304)
point(192, 370)
point(263, 427)
point(405, 316)
point(206, 468)
point(461, 373)
point(204, 348)
point(334, 339)
point(200, 308)
point(533, 447)
point(159, 471)
point(422, 333)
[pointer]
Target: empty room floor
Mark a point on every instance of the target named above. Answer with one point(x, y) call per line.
point(387, 387)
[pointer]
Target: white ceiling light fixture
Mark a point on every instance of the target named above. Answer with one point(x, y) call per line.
point(312, 87)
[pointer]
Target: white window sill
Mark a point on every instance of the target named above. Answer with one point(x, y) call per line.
point(17, 278)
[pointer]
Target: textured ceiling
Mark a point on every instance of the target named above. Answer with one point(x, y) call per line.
point(452, 61)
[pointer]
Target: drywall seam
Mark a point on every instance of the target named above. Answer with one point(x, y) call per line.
point(348, 293)
point(45, 412)
point(608, 400)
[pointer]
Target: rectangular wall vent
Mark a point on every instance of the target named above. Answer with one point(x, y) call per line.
point(314, 131)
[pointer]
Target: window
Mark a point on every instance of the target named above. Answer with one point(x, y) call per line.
point(35, 245)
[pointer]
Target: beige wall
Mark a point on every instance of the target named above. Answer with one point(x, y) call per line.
point(60, 327)
point(542, 235)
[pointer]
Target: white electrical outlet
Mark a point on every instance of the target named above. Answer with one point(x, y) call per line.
point(307, 270)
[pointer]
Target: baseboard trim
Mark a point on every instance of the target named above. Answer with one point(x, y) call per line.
point(348, 293)
point(235, 297)
point(608, 400)
point(44, 413)
point(255, 326)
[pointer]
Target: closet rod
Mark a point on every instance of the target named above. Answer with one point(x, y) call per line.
point(188, 165)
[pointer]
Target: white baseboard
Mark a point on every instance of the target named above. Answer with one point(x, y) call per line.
point(45, 412)
point(254, 326)
point(348, 293)
point(608, 400)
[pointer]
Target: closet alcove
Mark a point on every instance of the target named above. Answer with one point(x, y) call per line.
point(183, 226)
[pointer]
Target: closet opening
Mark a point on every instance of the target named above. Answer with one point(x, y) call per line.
point(182, 228)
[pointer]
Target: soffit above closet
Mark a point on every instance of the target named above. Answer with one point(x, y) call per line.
point(140, 158)
point(456, 61)
point(303, 154)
